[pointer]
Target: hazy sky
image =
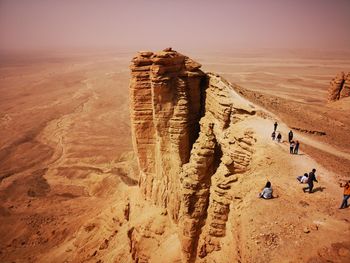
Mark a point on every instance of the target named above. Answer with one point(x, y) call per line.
point(153, 24)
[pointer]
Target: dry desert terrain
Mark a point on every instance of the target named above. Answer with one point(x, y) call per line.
point(69, 178)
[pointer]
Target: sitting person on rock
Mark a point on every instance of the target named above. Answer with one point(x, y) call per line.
point(303, 178)
point(267, 191)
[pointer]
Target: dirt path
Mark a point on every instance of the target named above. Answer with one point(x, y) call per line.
point(283, 128)
point(314, 143)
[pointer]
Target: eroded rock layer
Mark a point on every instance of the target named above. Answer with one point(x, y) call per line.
point(339, 87)
point(166, 90)
point(192, 143)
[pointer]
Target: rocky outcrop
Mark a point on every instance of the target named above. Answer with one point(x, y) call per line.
point(192, 142)
point(166, 93)
point(339, 87)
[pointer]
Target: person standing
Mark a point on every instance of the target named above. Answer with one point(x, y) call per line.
point(291, 147)
point(275, 126)
point(273, 135)
point(310, 181)
point(296, 148)
point(279, 137)
point(290, 136)
point(344, 204)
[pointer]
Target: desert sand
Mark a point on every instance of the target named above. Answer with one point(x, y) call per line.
point(69, 176)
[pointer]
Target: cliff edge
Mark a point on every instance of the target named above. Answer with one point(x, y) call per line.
point(191, 144)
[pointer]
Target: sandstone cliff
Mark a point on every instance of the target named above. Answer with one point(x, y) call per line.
point(191, 143)
point(339, 87)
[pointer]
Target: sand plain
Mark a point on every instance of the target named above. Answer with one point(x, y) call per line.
point(67, 169)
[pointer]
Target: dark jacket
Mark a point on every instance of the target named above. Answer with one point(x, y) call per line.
point(312, 178)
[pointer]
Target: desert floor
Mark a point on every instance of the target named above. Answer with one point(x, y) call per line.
point(68, 172)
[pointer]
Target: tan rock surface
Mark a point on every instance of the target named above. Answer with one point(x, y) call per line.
point(339, 87)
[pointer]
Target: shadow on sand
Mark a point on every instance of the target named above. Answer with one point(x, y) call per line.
point(318, 189)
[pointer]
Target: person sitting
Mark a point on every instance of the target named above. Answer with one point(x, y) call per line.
point(303, 178)
point(266, 192)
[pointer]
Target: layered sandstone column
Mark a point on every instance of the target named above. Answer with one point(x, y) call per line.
point(166, 90)
point(192, 143)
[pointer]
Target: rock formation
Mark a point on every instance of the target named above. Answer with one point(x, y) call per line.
point(192, 143)
point(339, 87)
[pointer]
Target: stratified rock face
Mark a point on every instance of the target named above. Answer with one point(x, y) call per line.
point(221, 153)
point(192, 142)
point(166, 90)
point(339, 87)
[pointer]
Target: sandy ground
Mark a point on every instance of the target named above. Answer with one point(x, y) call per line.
point(295, 226)
point(67, 169)
point(65, 141)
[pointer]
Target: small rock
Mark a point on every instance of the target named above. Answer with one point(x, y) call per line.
point(306, 230)
point(303, 203)
point(104, 244)
point(126, 211)
point(164, 212)
point(314, 227)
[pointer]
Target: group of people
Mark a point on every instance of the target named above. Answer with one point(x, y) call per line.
point(273, 135)
point(307, 178)
point(278, 137)
point(310, 181)
point(267, 192)
point(293, 145)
